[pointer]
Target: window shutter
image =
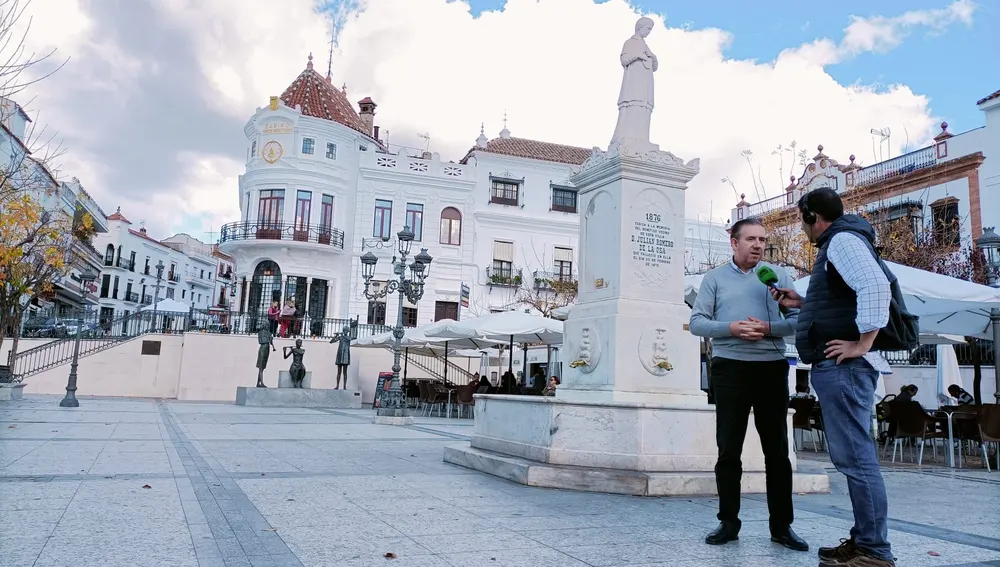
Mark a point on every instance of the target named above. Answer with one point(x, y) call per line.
point(503, 251)
point(563, 254)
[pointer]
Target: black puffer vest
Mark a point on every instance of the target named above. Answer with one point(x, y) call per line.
point(830, 310)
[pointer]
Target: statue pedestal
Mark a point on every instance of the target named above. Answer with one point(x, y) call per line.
point(298, 398)
point(285, 379)
point(630, 416)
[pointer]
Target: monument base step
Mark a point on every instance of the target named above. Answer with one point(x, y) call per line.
point(298, 398)
point(615, 481)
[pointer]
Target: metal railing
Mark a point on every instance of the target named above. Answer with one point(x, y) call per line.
point(509, 277)
point(435, 366)
point(265, 230)
point(901, 165)
point(544, 280)
point(95, 336)
point(125, 264)
point(926, 355)
point(131, 297)
point(173, 277)
point(207, 321)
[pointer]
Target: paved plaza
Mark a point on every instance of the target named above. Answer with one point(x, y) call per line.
point(131, 483)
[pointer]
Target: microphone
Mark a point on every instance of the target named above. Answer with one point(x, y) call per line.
point(767, 277)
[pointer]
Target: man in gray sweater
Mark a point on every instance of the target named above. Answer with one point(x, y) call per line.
point(749, 371)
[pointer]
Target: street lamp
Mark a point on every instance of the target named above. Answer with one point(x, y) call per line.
point(156, 293)
point(411, 288)
point(190, 324)
point(86, 277)
point(989, 243)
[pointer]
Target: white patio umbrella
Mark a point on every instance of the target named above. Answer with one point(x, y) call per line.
point(948, 372)
point(509, 326)
point(416, 341)
point(945, 305)
point(170, 306)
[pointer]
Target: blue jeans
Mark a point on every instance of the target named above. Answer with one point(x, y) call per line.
point(846, 396)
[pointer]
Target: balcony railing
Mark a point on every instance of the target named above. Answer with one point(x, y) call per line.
point(226, 275)
point(264, 230)
point(147, 300)
point(174, 277)
point(506, 277)
point(876, 173)
point(553, 280)
point(198, 280)
point(125, 264)
point(131, 297)
point(906, 163)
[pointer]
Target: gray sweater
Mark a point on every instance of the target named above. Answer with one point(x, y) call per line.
point(727, 295)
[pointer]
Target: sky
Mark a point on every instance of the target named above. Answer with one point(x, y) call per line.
point(151, 102)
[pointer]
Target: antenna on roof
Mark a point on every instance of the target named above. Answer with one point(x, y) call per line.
point(885, 137)
point(426, 136)
point(329, 61)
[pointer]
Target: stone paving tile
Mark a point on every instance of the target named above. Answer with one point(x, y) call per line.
point(300, 487)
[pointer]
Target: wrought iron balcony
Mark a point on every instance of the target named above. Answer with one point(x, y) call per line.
point(264, 230)
point(505, 277)
point(125, 264)
point(173, 277)
point(131, 297)
point(554, 281)
point(147, 300)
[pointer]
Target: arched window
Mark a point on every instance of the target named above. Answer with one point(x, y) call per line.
point(451, 226)
point(109, 255)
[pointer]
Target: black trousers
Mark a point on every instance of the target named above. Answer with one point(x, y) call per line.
point(740, 386)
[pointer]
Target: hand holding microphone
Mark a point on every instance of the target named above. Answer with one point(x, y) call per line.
point(786, 297)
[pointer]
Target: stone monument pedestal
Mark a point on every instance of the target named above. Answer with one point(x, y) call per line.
point(11, 392)
point(643, 449)
point(298, 397)
point(285, 379)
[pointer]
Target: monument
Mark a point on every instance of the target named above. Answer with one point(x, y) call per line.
point(343, 340)
point(296, 376)
point(294, 385)
point(630, 416)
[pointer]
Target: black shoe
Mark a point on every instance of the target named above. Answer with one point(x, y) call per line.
point(790, 539)
point(844, 551)
point(725, 533)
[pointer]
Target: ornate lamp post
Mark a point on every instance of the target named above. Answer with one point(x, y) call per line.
point(190, 325)
point(989, 243)
point(86, 277)
point(156, 293)
point(411, 288)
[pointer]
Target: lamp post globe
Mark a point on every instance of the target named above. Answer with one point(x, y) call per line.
point(405, 238)
point(87, 276)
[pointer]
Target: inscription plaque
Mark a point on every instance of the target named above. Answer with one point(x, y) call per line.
point(652, 245)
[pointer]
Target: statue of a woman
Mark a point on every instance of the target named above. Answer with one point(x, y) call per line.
point(348, 334)
point(297, 371)
point(635, 101)
point(264, 339)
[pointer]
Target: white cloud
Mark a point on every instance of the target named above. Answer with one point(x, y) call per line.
point(883, 33)
point(551, 64)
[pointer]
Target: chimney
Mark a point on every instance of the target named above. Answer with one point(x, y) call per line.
point(367, 113)
point(375, 132)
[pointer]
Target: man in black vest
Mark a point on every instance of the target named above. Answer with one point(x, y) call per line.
point(846, 305)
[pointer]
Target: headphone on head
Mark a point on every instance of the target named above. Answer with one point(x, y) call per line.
point(808, 216)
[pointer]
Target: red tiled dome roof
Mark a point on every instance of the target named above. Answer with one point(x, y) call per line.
point(319, 99)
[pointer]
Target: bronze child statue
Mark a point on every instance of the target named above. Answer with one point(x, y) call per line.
point(297, 370)
point(349, 333)
point(264, 339)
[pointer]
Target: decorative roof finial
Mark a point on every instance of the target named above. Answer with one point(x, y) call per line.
point(118, 210)
point(481, 141)
point(343, 88)
point(505, 133)
point(309, 65)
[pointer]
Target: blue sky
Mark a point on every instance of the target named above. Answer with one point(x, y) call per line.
point(953, 68)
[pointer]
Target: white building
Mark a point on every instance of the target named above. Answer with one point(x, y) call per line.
point(320, 189)
point(26, 173)
point(129, 281)
point(955, 180)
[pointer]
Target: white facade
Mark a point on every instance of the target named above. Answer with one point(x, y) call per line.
point(22, 172)
point(129, 279)
point(498, 221)
point(958, 176)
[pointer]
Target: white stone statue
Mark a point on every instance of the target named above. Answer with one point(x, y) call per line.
point(635, 101)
